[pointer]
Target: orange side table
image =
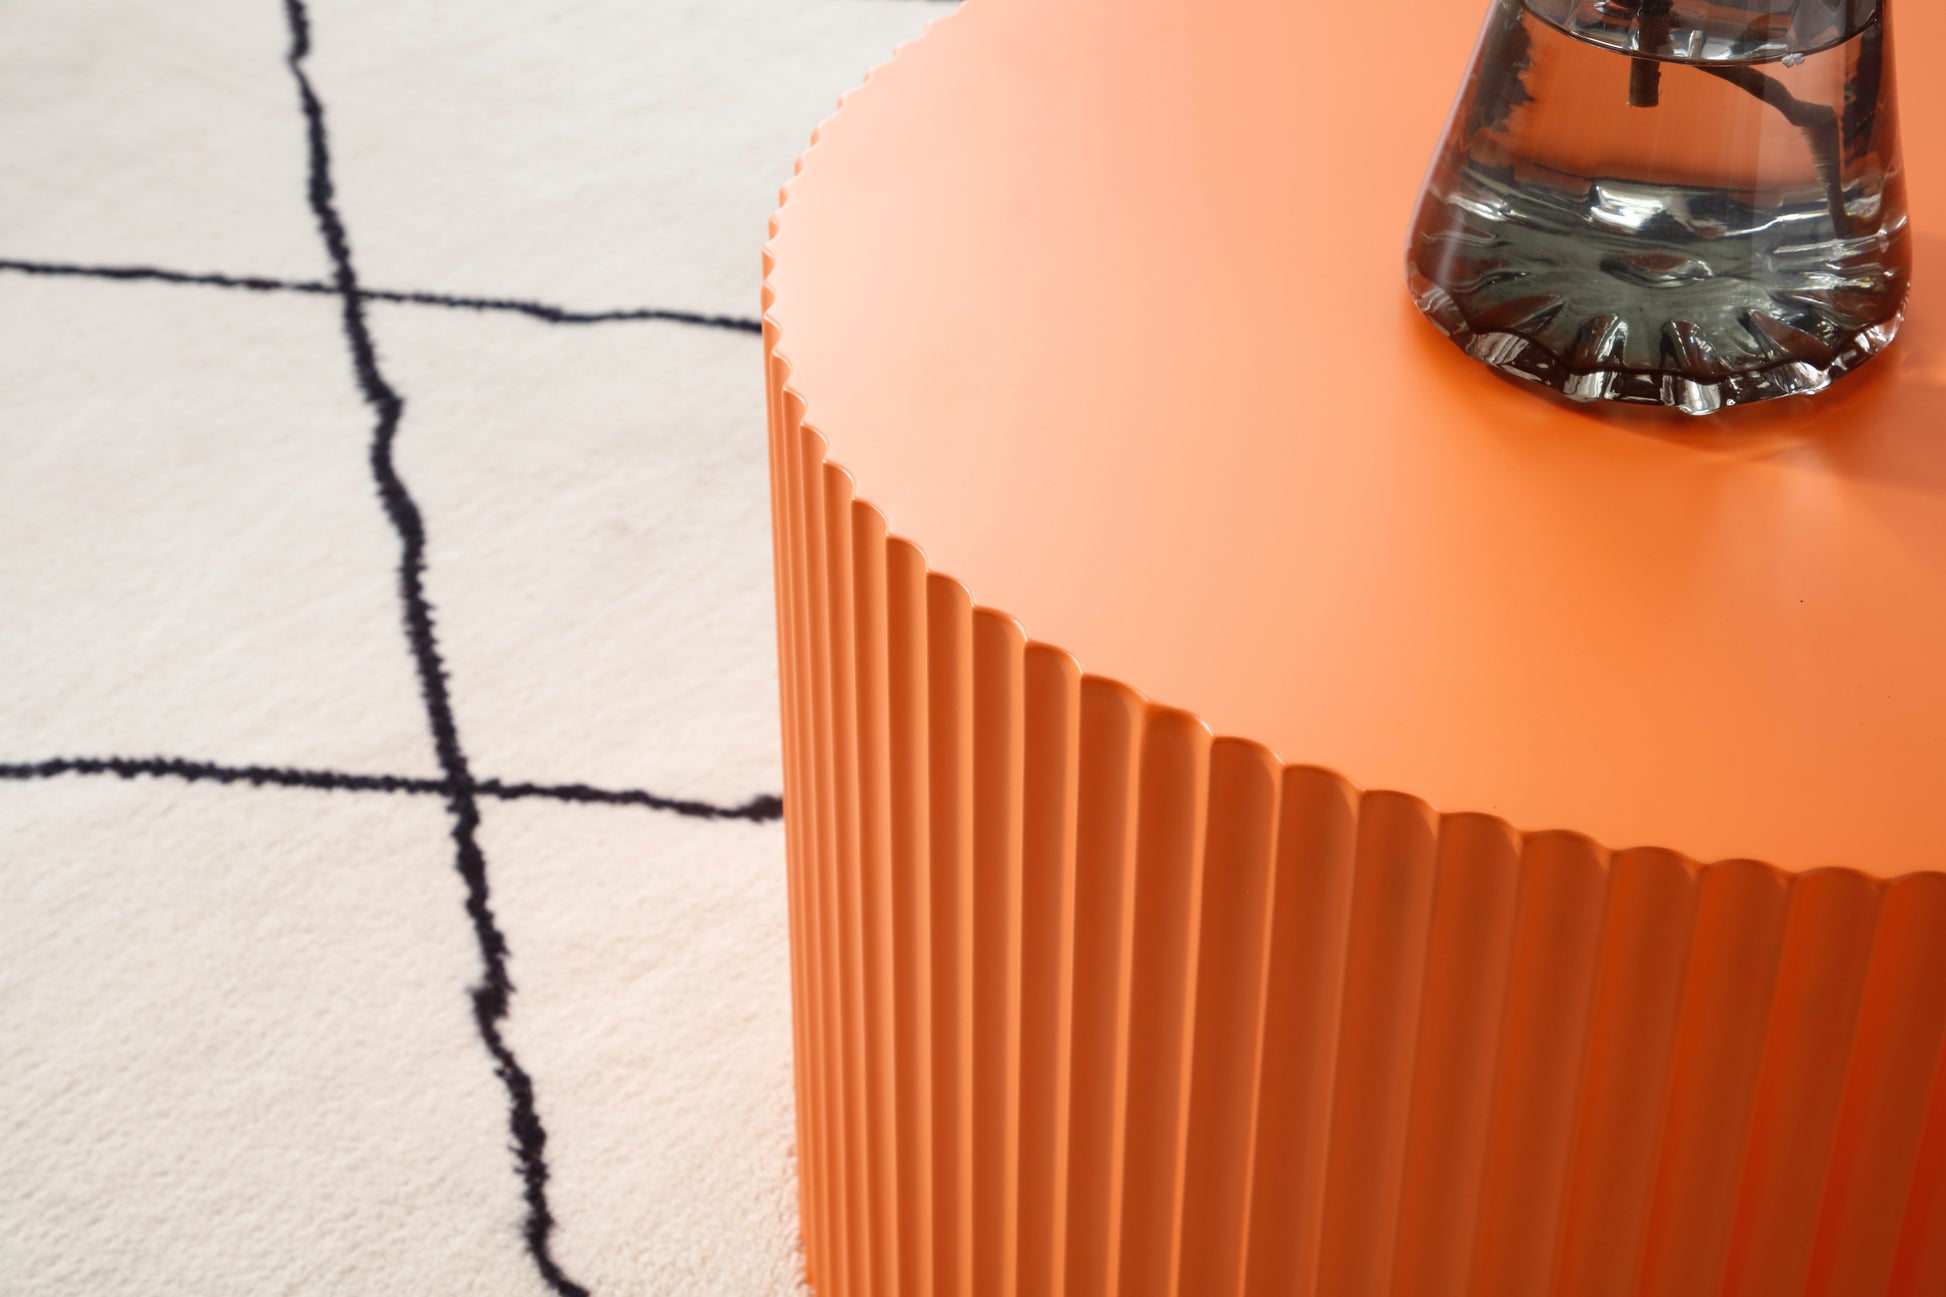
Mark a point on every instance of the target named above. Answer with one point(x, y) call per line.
point(1105, 991)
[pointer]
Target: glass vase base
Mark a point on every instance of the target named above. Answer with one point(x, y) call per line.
point(1686, 298)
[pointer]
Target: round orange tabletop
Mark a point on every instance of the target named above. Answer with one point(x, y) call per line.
point(1275, 808)
point(1103, 305)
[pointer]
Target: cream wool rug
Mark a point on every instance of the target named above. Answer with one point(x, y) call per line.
point(391, 891)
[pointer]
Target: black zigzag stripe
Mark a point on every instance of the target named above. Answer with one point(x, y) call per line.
point(491, 996)
point(759, 809)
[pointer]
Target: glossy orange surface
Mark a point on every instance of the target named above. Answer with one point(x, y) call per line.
point(1102, 305)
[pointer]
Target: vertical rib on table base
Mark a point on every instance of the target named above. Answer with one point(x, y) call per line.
point(998, 650)
point(1739, 935)
point(1109, 774)
point(869, 645)
point(1162, 962)
point(1632, 1026)
point(1391, 912)
point(1894, 1065)
point(1089, 1003)
point(905, 604)
point(1828, 943)
point(949, 719)
point(1050, 794)
point(1304, 974)
point(1476, 890)
point(866, 1193)
point(1226, 1040)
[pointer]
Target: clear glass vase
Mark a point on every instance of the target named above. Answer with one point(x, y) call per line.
point(1690, 203)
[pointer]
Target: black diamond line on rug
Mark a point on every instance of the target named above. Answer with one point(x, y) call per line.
point(451, 301)
point(490, 997)
point(761, 809)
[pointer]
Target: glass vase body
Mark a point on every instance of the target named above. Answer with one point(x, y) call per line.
point(1690, 203)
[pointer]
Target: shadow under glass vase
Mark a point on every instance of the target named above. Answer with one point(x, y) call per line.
point(1689, 203)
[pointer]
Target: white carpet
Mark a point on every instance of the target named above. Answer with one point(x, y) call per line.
point(241, 882)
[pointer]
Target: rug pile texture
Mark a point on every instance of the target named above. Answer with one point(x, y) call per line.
point(391, 883)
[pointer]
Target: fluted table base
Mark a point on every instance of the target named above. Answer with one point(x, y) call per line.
point(1088, 1001)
